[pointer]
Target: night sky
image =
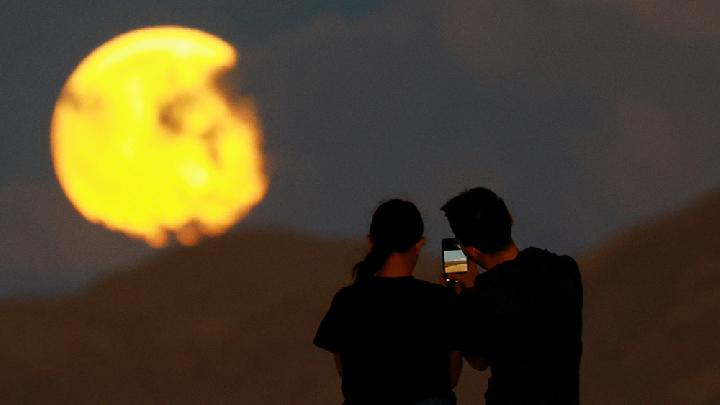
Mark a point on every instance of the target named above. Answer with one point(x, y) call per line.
point(587, 116)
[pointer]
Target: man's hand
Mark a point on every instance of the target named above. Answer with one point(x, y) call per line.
point(477, 363)
point(467, 279)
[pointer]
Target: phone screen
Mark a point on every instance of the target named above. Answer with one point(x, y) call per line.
point(454, 260)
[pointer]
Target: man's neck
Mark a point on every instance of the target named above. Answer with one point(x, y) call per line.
point(489, 261)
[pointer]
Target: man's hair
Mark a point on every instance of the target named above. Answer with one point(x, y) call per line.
point(479, 218)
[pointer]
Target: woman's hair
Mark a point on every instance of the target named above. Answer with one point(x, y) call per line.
point(396, 226)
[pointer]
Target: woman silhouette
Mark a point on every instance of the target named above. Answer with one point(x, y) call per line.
point(393, 336)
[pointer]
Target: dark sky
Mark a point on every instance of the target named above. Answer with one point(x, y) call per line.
point(588, 116)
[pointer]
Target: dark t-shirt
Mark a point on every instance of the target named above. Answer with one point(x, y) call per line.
point(526, 320)
point(394, 337)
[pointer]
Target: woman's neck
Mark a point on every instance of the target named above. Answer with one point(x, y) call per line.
point(398, 265)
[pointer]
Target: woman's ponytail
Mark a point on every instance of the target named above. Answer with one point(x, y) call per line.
point(396, 226)
point(372, 263)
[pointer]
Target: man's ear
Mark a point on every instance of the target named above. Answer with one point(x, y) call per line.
point(472, 252)
point(369, 243)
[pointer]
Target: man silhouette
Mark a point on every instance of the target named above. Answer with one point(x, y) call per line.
point(523, 315)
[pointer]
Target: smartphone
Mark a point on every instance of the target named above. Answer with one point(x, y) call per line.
point(454, 260)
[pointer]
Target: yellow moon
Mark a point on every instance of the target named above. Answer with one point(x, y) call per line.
point(145, 141)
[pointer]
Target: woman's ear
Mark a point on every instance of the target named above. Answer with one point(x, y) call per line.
point(419, 245)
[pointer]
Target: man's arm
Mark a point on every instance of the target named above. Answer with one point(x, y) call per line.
point(455, 368)
point(470, 335)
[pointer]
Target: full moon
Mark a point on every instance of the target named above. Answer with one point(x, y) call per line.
point(145, 141)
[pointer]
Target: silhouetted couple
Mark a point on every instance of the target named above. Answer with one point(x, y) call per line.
point(399, 340)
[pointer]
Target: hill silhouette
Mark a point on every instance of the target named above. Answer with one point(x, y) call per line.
point(227, 322)
point(651, 314)
point(231, 320)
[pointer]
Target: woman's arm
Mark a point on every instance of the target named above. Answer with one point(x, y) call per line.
point(338, 364)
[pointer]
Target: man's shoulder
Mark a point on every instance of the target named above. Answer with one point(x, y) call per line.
point(540, 253)
point(565, 265)
point(557, 270)
point(536, 257)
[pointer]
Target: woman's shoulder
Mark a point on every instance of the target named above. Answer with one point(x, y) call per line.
point(394, 284)
point(345, 292)
point(429, 285)
point(433, 289)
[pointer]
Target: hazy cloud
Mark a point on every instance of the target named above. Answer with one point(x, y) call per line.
point(695, 19)
point(644, 63)
point(586, 115)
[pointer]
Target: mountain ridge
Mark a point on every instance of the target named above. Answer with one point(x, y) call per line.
point(232, 319)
